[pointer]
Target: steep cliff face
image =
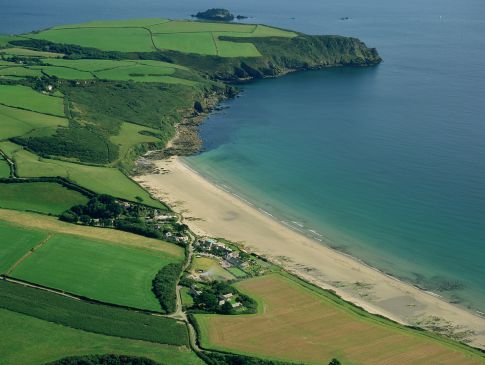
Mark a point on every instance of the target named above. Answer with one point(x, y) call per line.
point(281, 55)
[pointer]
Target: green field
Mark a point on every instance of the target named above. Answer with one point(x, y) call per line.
point(43, 222)
point(301, 323)
point(102, 180)
point(114, 39)
point(211, 269)
point(15, 242)
point(17, 122)
point(144, 35)
point(237, 272)
point(95, 269)
point(30, 341)
point(130, 136)
point(4, 168)
point(42, 197)
point(187, 300)
point(29, 52)
point(145, 22)
point(19, 71)
point(96, 318)
point(27, 98)
point(64, 72)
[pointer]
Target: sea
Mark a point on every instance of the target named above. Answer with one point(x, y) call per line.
point(386, 164)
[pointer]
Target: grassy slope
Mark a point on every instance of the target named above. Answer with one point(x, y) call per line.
point(27, 98)
point(297, 322)
point(103, 180)
point(106, 272)
point(15, 243)
point(132, 39)
point(4, 168)
point(96, 318)
point(49, 198)
point(212, 268)
point(39, 221)
point(31, 341)
point(17, 122)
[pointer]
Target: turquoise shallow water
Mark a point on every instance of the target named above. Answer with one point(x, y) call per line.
point(386, 163)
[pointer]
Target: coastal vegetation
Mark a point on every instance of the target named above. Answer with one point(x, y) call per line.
point(79, 104)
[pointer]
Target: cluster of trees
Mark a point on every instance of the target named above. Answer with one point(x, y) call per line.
point(208, 300)
point(109, 359)
point(164, 286)
point(84, 142)
point(103, 207)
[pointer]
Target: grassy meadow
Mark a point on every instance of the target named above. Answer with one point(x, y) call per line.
point(96, 318)
point(42, 197)
point(35, 221)
point(95, 269)
point(31, 341)
point(211, 268)
point(26, 98)
point(161, 34)
point(15, 243)
point(17, 122)
point(297, 322)
point(4, 168)
point(102, 180)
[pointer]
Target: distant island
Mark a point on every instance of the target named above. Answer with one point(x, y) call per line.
point(218, 15)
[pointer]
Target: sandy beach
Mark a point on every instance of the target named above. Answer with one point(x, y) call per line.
point(209, 210)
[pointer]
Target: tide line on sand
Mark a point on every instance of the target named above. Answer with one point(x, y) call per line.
point(224, 214)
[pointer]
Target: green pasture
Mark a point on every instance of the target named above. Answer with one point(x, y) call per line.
point(187, 299)
point(42, 197)
point(102, 180)
point(237, 272)
point(17, 122)
point(30, 341)
point(188, 26)
point(106, 39)
point(9, 148)
point(27, 98)
point(211, 269)
point(98, 270)
point(17, 51)
point(201, 43)
point(4, 39)
point(91, 317)
point(130, 136)
point(66, 73)
point(19, 71)
point(15, 243)
point(117, 23)
point(88, 65)
point(4, 168)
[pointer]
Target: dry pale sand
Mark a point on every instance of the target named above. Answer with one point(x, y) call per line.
point(212, 211)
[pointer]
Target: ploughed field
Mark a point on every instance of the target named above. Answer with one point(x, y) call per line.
point(101, 268)
point(302, 324)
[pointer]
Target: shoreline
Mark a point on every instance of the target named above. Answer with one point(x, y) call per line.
point(212, 210)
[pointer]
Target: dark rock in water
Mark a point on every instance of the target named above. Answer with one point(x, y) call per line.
point(345, 18)
point(215, 14)
point(241, 17)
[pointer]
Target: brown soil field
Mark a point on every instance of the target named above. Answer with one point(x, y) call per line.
point(299, 324)
point(46, 223)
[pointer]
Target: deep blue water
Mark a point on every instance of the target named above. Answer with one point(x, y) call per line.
point(386, 163)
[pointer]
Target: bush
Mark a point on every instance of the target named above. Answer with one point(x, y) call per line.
point(164, 286)
point(104, 360)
